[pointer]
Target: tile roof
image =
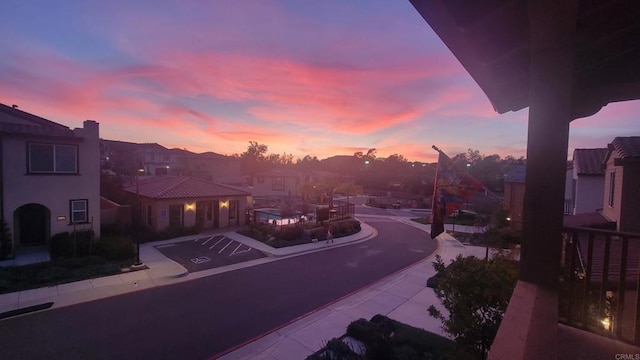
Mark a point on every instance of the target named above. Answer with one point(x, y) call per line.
point(627, 147)
point(589, 161)
point(18, 122)
point(173, 187)
point(516, 175)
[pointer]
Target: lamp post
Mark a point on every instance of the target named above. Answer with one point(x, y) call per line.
point(138, 217)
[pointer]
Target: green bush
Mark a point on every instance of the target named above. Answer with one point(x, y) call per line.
point(385, 338)
point(75, 244)
point(290, 233)
point(116, 247)
point(335, 349)
point(6, 244)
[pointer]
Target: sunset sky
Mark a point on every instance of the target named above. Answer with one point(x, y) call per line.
point(315, 78)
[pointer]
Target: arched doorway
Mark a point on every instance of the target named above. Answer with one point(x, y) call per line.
point(31, 224)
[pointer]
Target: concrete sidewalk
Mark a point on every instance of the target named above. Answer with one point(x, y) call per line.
point(402, 296)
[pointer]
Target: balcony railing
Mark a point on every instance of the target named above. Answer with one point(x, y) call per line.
point(568, 206)
point(599, 283)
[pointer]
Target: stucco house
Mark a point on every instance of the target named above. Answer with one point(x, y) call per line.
point(588, 180)
point(49, 177)
point(178, 201)
point(621, 187)
point(514, 195)
point(275, 184)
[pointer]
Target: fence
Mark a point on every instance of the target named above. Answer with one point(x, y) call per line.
point(599, 282)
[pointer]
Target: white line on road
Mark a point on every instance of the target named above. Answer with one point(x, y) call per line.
point(206, 241)
point(217, 242)
point(220, 252)
point(234, 251)
point(242, 252)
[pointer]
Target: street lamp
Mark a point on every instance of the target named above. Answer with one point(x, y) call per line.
point(138, 217)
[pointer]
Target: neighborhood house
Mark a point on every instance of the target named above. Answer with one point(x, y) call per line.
point(177, 201)
point(50, 177)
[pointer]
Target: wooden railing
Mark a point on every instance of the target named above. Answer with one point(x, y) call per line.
point(599, 282)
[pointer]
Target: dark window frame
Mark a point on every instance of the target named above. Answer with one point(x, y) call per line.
point(57, 157)
point(73, 211)
point(278, 183)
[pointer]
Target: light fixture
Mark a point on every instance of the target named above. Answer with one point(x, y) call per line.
point(191, 207)
point(224, 204)
point(606, 323)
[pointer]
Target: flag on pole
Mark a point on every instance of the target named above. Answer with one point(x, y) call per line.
point(451, 189)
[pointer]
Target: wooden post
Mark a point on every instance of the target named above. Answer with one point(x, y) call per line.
point(552, 26)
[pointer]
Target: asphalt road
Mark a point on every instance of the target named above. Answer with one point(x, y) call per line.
point(201, 318)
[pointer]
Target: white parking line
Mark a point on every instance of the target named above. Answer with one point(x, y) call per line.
point(217, 242)
point(234, 251)
point(220, 252)
point(206, 241)
point(241, 252)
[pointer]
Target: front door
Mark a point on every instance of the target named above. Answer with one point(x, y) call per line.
point(176, 216)
point(32, 224)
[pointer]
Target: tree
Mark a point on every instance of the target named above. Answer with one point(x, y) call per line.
point(254, 159)
point(475, 292)
point(348, 189)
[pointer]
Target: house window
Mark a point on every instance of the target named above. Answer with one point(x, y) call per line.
point(612, 187)
point(79, 211)
point(53, 159)
point(278, 184)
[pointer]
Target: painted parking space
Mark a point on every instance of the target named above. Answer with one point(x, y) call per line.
point(207, 252)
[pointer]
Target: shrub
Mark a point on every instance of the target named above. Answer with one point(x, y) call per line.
point(67, 245)
point(291, 233)
point(335, 349)
point(116, 247)
point(6, 244)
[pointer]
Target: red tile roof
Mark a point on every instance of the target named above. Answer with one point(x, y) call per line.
point(627, 147)
point(589, 161)
point(173, 187)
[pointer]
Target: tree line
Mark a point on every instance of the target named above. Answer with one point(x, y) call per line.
point(393, 173)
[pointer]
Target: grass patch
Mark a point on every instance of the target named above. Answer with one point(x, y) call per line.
point(59, 271)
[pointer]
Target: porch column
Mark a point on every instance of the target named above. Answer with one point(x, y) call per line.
point(552, 26)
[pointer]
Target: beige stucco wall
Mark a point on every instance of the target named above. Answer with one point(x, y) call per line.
point(613, 212)
point(589, 190)
point(52, 191)
point(160, 211)
point(266, 188)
